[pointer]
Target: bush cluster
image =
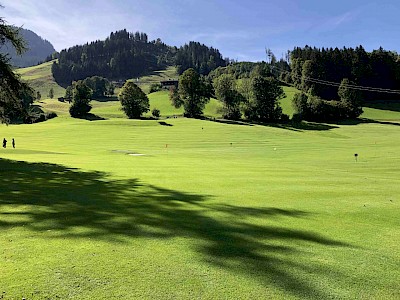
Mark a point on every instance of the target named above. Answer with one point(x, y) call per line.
point(313, 108)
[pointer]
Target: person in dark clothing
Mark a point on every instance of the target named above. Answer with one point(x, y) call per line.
point(13, 143)
point(4, 143)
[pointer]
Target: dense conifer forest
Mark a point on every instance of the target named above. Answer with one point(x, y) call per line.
point(199, 57)
point(126, 55)
point(311, 66)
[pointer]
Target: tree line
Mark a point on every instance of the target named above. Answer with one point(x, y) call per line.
point(318, 72)
point(242, 70)
point(198, 57)
point(379, 68)
point(254, 98)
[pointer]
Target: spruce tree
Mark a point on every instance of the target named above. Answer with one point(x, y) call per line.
point(12, 89)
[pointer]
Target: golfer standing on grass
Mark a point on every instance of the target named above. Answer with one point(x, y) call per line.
point(4, 143)
point(13, 143)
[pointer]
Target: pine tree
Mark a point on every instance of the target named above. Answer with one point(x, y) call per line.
point(12, 89)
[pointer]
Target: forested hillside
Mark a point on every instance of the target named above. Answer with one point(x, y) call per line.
point(377, 69)
point(199, 57)
point(122, 55)
point(38, 50)
point(125, 55)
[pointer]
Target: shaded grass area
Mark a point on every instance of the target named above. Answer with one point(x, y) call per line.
point(294, 126)
point(70, 204)
point(392, 105)
point(380, 114)
point(367, 121)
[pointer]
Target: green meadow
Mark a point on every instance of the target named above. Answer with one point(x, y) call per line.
point(179, 208)
point(41, 79)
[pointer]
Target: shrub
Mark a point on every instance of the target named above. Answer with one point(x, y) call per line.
point(155, 87)
point(155, 113)
point(79, 109)
point(299, 104)
point(37, 115)
point(51, 115)
point(313, 108)
point(81, 98)
point(284, 118)
point(297, 118)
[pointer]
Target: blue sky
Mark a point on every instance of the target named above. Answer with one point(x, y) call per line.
point(239, 29)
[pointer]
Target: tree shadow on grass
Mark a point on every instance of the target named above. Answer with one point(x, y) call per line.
point(165, 124)
point(231, 122)
point(392, 105)
point(107, 99)
point(304, 126)
point(365, 121)
point(69, 203)
point(92, 117)
point(308, 125)
point(294, 126)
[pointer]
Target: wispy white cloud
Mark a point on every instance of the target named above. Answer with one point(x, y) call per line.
point(341, 19)
point(217, 37)
point(333, 23)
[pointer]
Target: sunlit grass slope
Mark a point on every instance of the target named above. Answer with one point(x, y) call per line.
point(169, 73)
point(41, 79)
point(286, 102)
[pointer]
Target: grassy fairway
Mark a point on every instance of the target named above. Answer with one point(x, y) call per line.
point(195, 209)
point(134, 209)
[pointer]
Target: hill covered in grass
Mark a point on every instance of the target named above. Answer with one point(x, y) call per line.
point(40, 79)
